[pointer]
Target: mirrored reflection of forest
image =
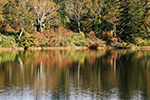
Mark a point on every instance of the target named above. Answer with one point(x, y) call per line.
point(114, 74)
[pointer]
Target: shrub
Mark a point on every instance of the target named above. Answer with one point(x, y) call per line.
point(26, 42)
point(82, 34)
point(143, 44)
point(8, 41)
point(91, 35)
point(97, 43)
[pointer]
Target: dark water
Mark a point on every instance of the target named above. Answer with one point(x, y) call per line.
point(75, 75)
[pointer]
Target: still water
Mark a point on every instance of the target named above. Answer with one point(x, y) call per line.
point(75, 75)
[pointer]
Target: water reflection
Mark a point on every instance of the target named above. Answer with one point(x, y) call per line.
point(75, 75)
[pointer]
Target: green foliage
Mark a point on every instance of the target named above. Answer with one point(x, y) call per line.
point(131, 19)
point(88, 18)
point(7, 41)
point(80, 42)
point(143, 43)
point(17, 12)
point(26, 42)
point(82, 34)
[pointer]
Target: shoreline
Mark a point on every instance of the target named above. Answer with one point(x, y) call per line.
point(51, 48)
point(75, 48)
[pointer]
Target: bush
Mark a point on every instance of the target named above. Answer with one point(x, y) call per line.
point(97, 43)
point(143, 44)
point(91, 35)
point(8, 41)
point(26, 42)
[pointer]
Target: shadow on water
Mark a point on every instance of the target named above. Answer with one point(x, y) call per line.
point(101, 74)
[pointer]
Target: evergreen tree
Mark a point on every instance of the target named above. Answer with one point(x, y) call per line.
point(112, 11)
point(146, 16)
point(95, 8)
point(130, 20)
point(62, 11)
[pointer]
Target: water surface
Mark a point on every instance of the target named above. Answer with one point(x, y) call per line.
point(75, 75)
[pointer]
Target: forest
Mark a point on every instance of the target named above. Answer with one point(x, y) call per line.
point(67, 23)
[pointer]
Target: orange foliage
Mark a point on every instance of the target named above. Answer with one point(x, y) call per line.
point(91, 35)
point(50, 36)
point(138, 39)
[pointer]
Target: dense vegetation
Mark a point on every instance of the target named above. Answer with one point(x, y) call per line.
point(34, 23)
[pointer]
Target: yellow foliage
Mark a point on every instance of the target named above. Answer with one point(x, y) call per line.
point(82, 34)
point(45, 10)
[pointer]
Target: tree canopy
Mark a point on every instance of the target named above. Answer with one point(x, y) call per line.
point(124, 19)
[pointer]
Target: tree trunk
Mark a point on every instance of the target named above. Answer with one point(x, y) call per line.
point(79, 26)
point(41, 28)
point(38, 28)
point(21, 28)
point(114, 33)
point(146, 30)
point(4, 28)
point(101, 24)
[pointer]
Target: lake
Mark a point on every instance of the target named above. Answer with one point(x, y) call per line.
point(75, 75)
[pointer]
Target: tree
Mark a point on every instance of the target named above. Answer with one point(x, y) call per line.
point(76, 11)
point(17, 13)
point(146, 15)
point(111, 14)
point(130, 20)
point(45, 12)
point(95, 8)
point(103, 13)
point(2, 19)
point(62, 12)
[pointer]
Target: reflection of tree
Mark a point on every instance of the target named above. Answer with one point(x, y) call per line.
point(60, 73)
point(132, 74)
point(8, 56)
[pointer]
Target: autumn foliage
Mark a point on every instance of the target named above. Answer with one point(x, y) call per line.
point(74, 22)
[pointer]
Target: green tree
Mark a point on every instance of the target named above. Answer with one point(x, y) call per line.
point(17, 13)
point(146, 6)
point(111, 14)
point(76, 11)
point(103, 12)
point(62, 12)
point(130, 20)
point(95, 8)
point(2, 19)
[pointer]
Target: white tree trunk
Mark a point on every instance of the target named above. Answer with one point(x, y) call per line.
point(114, 33)
point(21, 28)
point(79, 26)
